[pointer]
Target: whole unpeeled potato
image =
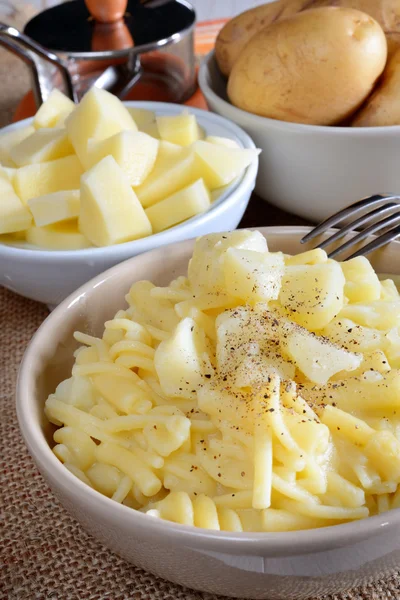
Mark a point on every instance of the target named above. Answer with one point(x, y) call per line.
point(234, 36)
point(383, 106)
point(316, 67)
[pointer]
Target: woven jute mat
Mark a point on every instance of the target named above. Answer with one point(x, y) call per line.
point(44, 553)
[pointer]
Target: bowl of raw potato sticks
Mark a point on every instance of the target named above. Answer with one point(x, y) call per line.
point(86, 186)
point(225, 413)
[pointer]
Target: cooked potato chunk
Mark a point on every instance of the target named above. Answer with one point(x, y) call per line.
point(313, 294)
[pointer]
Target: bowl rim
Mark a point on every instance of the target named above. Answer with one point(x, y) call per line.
point(227, 199)
point(258, 120)
point(272, 544)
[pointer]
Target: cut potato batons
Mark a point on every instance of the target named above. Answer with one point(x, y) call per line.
point(45, 178)
point(59, 236)
point(14, 215)
point(110, 211)
point(52, 208)
point(142, 116)
point(220, 165)
point(99, 115)
point(9, 139)
point(172, 172)
point(53, 111)
point(134, 151)
point(179, 207)
point(43, 145)
point(179, 129)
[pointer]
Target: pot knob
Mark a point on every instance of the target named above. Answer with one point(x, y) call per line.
point(106, 11)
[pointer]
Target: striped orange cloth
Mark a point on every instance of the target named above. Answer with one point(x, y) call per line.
point(205, 35)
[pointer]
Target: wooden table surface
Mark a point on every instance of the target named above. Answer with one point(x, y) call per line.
point(262, 214)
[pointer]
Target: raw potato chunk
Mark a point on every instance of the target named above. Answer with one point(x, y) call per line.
point(54, 111)
point(10, 139)
point(253, 276)
point(171, 173)
point(10, 172)
point(52, 208)
point(45, 178)
point(42, 146)
point(219, 165)
point(151, 129)
point(178, 360)
point(179, 207)
point(59, 236)
point(141, 116)
point(222, 141)
point(110, 211)
point(99, 115)
point(14, 216)
point(313, 294)
point(318, 358)
point(135, 152)
point(178, 129)
point(362, 283)
point(169, 150)
point(205, 269)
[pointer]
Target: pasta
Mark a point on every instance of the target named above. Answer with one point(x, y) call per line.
point(259, 393)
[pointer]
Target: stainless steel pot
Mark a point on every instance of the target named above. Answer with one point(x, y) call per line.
point(143, 50)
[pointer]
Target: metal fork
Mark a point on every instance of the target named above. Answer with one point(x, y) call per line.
point(368, 222)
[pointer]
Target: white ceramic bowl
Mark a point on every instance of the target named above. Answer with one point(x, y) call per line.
point(49, 276)
point(277, 566)
point(308, 170)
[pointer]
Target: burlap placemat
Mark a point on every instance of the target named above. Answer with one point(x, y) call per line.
point(44, 553)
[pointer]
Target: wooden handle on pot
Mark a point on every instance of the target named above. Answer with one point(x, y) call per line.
point(107, 11)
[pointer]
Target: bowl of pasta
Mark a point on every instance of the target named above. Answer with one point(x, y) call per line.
point(87, 186)
point(225, 413)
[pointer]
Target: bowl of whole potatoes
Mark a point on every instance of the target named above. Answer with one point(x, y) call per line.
point(317, 86)
point(87, 186)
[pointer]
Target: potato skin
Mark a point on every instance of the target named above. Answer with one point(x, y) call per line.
point(234, 36)
point(383, 107)
point(316, 67)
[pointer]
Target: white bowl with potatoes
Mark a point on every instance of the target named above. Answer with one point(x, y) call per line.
point(85, 187)
point(316, 85)
point(225, 415)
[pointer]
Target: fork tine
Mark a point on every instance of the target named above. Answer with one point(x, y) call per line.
point(391, 220)
point(354, 224)
point(378, 242)
point(346, 212)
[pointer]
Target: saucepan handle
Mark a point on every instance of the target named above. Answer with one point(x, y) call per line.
point(30, 51)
